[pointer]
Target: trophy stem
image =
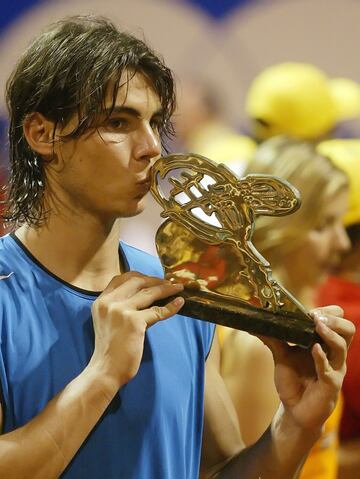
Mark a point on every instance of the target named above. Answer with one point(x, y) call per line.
point(282, 325)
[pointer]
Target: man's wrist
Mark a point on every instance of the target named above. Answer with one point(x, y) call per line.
point(285, 430)
point(105, 380)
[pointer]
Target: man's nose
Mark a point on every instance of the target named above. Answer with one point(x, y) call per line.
point(149, 143)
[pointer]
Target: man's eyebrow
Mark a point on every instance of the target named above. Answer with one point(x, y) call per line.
point(132, 111)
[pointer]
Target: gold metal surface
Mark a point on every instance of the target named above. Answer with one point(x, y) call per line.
point(206, 240)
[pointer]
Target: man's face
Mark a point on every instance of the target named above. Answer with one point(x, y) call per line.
point(105, 173)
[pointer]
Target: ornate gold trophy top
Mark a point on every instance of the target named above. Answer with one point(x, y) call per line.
point(206, 244)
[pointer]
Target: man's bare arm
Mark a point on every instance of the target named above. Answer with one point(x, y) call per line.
point(221, 437)
point(43, 447)
point(224, 453)
point(308, 384)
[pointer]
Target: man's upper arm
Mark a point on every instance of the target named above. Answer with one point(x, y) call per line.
point(222, 438)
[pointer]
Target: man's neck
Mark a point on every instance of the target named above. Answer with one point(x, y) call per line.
point(81, 252)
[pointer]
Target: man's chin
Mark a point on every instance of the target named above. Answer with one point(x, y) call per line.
point(135, 209)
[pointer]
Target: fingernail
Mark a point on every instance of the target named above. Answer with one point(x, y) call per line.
point(179, 301)
point(178, 285)
point(320, 317)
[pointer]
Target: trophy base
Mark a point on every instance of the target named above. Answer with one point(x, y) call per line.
point(283, 325)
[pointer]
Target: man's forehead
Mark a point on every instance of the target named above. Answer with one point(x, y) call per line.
point(134, 89)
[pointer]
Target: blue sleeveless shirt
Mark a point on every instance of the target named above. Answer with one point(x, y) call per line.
point(153, 427)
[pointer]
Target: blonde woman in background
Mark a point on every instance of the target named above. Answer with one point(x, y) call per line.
point(302, 249)
point(343, 288)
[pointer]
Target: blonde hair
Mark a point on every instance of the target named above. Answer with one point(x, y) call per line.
point(318, 181)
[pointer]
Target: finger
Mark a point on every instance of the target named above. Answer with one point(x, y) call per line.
point(336, 344)
point(159, 313)
point(120, 279)
point(333, 310)
point(126, 285)
point(341, 326)
point(278, 348)
point(322, 366)
point(147, 296)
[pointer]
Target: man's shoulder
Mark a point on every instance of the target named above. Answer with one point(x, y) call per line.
point(14, 271)
point(4, 242)
point(6, 256)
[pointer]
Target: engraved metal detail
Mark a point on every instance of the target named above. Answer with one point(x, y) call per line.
point(206, 241)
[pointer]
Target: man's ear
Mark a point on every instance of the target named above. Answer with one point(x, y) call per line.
point(39, 133)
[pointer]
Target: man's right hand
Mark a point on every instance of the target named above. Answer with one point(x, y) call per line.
point(122, 314)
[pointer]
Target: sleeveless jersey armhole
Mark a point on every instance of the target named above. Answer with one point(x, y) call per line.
point(211, 342)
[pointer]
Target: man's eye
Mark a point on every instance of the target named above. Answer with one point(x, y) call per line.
point(119, 123)
point(156, 125)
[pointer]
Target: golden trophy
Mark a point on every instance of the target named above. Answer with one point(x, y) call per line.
point(205, 243)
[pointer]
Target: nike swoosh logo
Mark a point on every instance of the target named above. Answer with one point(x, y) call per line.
point(6, 275)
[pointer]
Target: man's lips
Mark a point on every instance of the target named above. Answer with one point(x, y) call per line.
point(146, 179)
point(143, 187)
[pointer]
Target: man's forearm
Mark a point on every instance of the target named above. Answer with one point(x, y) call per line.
point(278, 454)
point(43, 448)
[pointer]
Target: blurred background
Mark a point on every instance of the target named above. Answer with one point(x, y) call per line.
point(221, 44)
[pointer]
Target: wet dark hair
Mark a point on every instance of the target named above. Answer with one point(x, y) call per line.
point(68, 70)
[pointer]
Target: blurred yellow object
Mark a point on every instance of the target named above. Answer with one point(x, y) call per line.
point(346, 95)
point(345, 154)
point(299, 100)
point(223, 145)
